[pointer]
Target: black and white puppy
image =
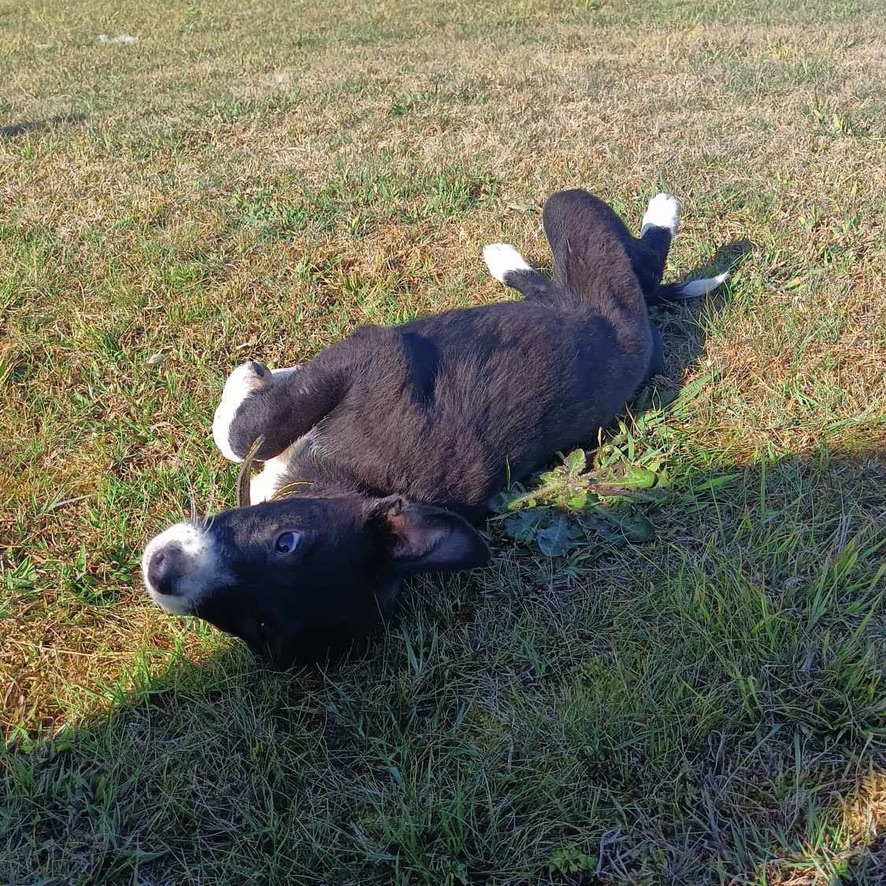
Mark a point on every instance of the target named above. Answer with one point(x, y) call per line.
point(387, 446)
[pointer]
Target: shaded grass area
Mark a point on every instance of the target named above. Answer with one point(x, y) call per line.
point(255, 180)
point(706, 704)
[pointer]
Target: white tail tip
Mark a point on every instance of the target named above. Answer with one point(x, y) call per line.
point(698, 288)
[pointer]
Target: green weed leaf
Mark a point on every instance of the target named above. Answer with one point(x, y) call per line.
point(555, 540)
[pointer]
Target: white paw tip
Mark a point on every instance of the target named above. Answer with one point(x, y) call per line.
point(501, 258)
point(242, 382)
point(663, 211)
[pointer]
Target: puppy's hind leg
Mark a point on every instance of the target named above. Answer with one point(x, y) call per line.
point(660, 224)
point(663, 214)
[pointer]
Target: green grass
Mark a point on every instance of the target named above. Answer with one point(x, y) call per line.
point(258, 179)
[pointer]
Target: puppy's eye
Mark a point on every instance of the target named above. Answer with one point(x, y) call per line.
point(287, 542)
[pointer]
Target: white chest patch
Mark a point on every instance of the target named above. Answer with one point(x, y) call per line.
point(277, 472)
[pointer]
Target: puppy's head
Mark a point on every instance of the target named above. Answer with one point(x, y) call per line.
point(295, 577)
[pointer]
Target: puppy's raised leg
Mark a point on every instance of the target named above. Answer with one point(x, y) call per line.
point(660, 224)
point(649, 252)
point(659, 227)
point(509, 267)
point(279, 406)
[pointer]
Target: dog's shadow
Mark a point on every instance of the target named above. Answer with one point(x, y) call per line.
point(726, 259)
point(27, 127)
point(194, 764)
point(682, 323)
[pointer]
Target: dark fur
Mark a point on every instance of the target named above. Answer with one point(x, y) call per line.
point(439, 409)
point(434, 413)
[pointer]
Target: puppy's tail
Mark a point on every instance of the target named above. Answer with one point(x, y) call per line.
point(673, 292)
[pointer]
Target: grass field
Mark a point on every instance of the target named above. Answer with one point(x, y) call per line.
point(257, 178)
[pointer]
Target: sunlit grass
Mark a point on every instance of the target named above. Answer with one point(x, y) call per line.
point(256, 180)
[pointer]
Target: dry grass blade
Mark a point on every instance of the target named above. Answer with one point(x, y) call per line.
point(245, 474)
point(292, 488)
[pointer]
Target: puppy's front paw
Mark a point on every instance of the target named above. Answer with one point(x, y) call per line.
point(242, 384)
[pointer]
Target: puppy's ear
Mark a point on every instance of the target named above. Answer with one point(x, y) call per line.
point(423, 538)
